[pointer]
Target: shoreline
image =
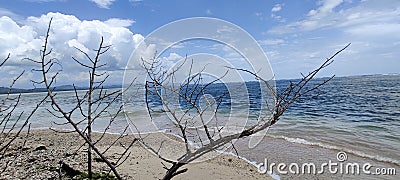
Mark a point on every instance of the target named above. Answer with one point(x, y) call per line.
point(246, 165)
point(360, 154)
point(44, 149)
point(283, 150)
point(278, 151)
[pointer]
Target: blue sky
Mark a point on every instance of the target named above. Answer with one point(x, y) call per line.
point(295, 35)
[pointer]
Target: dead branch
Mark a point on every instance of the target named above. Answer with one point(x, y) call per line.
point(91, 105)
point(10, 123)
point(161, 84)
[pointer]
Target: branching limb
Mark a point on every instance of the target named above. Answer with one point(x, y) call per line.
point(189, 94)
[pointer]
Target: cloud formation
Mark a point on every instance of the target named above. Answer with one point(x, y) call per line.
point(325, 8)
point(67, 33)
point(328, 15)
point(371, 27)
point(277, 8)
point(103, 3)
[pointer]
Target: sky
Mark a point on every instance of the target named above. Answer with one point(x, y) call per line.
point(296, 36)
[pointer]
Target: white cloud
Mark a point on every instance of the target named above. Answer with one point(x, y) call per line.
point(376, 30)
point(271, 42)
point(103, 3)
point(174, 57)
point(171, 59)
point(67, 32)
point(371, 26)
point(277, 8)
point(324, 15)
point(325, 8)
point(327, 15)
point(120, 22)
point(278, 18)
point(8, 13)
point(259, 15)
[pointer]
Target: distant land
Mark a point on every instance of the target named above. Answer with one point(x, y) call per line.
point(5, 90)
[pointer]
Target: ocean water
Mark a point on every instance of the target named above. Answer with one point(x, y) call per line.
point(358, 114)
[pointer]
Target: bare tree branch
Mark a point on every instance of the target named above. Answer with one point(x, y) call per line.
point(92, 104)
point(162, 84)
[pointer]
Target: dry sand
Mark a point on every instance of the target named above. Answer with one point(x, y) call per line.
point(40, 158)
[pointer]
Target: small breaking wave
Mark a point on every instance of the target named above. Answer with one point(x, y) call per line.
point(332, 147)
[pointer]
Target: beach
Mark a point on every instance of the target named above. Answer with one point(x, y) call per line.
point(361, 124)
point(311, 88)
point(44, 149)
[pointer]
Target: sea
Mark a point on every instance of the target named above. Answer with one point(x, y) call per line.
point(355, 114)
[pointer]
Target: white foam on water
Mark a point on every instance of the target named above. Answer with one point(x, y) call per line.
point(326, 146)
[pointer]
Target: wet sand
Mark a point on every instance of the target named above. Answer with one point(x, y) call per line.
point(277, 151)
